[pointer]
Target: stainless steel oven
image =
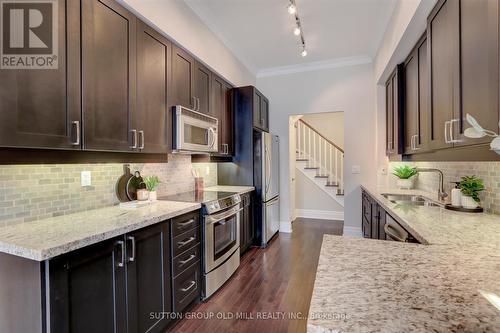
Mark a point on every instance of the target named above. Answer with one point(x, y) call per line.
point(221, 246)
point(194, 132)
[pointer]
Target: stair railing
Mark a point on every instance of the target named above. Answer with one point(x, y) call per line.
point(321, 154)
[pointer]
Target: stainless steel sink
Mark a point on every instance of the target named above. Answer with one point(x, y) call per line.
point(409, 199)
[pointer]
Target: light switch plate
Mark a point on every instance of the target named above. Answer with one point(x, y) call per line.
point(356, 169)
point(383, 171)
point(86, 178)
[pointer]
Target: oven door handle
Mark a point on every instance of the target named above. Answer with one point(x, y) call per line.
point(209, 219)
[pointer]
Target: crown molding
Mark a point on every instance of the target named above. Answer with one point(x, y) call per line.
point(314, 66)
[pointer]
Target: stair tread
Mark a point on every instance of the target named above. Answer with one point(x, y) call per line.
point(320, 176)
point(332, 185)
point(302, 160)
point(311, 168)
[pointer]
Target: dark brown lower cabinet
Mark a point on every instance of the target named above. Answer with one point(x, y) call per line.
point(373, 218)
point(125, 284)
point(246, 223)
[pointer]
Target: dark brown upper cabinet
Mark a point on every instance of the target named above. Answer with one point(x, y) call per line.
point(416, 99)
point(479, 76)
point(40, 108)
point(202, 83)
point(183, 73)
point(222, 109)
point(394, 112)
point(260, 111)
point(153, 121)
point(108, 76)
point(444, 49)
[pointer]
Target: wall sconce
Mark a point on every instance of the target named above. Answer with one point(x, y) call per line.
point(477, 132)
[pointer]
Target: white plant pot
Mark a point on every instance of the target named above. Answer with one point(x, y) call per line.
point(405, 184)
point(468, 202)
point(153, 196)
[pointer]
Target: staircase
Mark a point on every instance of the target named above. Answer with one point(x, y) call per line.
point(320, 160)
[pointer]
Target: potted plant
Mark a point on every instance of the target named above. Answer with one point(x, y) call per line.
point(152, 183)
point(405, 175)
point(470, 186)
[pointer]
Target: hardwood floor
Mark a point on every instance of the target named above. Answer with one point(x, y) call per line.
point(276, 281)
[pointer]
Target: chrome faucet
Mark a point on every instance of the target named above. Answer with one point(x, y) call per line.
point(441, 193)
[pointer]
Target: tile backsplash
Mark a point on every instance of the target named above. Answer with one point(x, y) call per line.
point(453, 171)
point(32, 192)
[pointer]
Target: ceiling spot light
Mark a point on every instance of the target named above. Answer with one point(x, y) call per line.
point(292, 9)
point(303, 53)
point(296, 31)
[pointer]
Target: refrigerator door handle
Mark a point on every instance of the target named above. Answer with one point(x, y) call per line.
point(268, 171)
point(272, 202)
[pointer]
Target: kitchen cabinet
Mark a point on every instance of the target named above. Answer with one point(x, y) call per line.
point(41, 107)
point(202, 85)
point(246, 223)
point(394, 109)
point(222, 109)
point(416, 99)
point(444, 48)
point(260, 111)
point(108, 76)
point(152, 122)
point(183, 69)
point(373, 218)
point(114, 285)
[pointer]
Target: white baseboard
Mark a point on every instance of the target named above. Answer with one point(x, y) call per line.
point(353, 231)
point(320, 214)
point(285, 227)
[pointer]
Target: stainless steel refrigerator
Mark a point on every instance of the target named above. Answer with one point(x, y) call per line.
point(266, 179)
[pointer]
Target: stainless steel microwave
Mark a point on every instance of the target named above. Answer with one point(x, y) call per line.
point(194, 132)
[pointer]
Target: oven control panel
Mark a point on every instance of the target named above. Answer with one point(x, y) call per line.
point(221, 204)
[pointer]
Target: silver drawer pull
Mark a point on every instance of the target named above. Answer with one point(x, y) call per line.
point(76, 124)
point(122, 249)
point(183, 224)
point(186, 241)
point(191, 285)
point(183, 262)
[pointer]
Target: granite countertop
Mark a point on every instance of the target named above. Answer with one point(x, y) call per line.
point(436, 225)
point(47, 238)
point(365, 285)
point(226, 188)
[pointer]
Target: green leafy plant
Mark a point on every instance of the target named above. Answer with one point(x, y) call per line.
point(152, 183)
point(404, 172)
point(471, 186)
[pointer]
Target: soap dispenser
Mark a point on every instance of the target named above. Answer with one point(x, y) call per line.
point(456, 195)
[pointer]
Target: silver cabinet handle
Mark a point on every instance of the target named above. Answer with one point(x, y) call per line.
point(183, 262)
point(76, 124)
point(122, 249)
point(415, 142)
point(412, 146)
point(132, 241)
point(193, 99)
point(141, 134)
point(183, 224)
point(134, 139)
point(199, 104)
point(191, 285)
point(186, 241)
point(453, 140)
point(389, 147)
point(446, 123)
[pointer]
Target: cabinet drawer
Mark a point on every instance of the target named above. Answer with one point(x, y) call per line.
point(184, 260)
point(185, 222)
point(187, 287)
point(185, 241)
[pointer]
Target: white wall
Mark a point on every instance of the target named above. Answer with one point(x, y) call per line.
point(330, 124)
point(348, 89)
point(180, 23)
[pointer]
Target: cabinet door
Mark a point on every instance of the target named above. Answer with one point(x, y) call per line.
point(182, 78)
point(479, 66)
point(109, 75)
point(228, 119)
point(217, 101)
point(381, 223)
point(40, 108)
point(153, 119)
point(443, 39)
point(88, 290)
point(422, 141)
point(246, 223)
point(389, 116)
point(411, 110)
point(264, 114)
point(257, 114)
point(148, 278)
point(202, 82)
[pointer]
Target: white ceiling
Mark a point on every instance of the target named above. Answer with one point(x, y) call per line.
point(259, 32)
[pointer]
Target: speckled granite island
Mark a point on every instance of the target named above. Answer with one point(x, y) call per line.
point(449, 283)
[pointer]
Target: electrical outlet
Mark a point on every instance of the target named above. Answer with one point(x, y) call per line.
point(356, 169)
point(86, 178)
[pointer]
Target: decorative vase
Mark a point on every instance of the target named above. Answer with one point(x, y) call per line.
point(468, 202)
point(142, 195)
point(405, 184)
point(153, 196)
